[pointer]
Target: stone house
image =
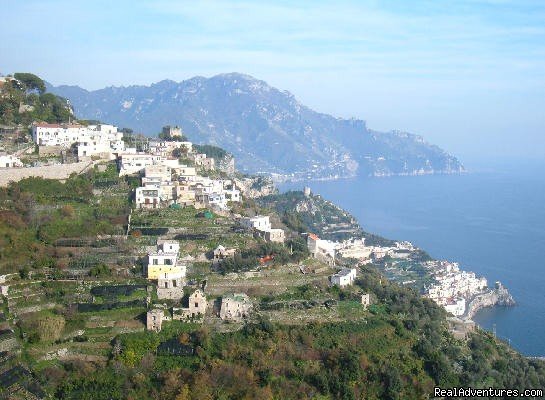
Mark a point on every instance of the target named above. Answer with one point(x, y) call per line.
point(154, 319)
point(235, 306)
point(196, 307)
point(365, 300)
point(274, 235)
point(170, 286)
point(220, 253)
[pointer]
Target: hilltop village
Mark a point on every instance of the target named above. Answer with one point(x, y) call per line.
point(142, 267)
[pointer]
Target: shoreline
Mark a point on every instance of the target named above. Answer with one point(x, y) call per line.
point(474, 299)
point(286, 178)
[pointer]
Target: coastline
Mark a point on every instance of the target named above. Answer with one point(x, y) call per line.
point(298, 177)
point(499, 296)
point(474, 299)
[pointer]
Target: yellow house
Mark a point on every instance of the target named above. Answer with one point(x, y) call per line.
point(164, 262)
point(157, 271)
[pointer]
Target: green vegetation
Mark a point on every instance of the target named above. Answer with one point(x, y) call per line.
point(37, 212)
point(292, 251)
point(29, 90)
point(401, 349)
point(169, 138)
point(42, 327)
point(217, 153)
point(316, 215)
point(30, 82)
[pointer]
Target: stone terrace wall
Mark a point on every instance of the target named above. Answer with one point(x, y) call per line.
point(60, 171)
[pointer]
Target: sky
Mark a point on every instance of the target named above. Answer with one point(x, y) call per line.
point(468, 75)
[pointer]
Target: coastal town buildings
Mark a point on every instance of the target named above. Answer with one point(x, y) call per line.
point(134, 163)
point(259, 222)
point(453, 287)
point(166, 148)
point(354, 249)
point(261, 226)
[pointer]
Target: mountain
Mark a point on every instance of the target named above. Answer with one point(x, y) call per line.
point(266, 129)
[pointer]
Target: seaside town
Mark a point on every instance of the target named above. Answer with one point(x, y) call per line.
point(143, 247)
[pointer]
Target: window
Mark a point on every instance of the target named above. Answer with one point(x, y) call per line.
point(168, 261)
point(196, 305)
point(155, 261)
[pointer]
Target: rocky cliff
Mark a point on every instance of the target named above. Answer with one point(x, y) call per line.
point(498, 296)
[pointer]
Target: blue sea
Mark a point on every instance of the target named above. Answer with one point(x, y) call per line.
point(491, 221)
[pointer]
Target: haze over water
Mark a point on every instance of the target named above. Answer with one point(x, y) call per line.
point(492, 223)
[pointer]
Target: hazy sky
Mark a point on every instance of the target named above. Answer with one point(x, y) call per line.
point(468, 75)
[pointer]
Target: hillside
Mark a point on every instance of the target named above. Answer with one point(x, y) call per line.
point(266, 129)
point(24, 99)
point(84, 338)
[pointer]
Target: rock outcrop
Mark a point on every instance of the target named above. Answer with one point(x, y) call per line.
point(498, 296)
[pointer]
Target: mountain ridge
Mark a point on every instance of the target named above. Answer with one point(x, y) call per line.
point(267, 129)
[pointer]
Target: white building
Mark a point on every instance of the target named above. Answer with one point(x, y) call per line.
point(186, 173)
point(168, 246)
point(9, 161)
point(164, 260)
point(58, 134)
point(344, 277)
point(157, 173)
point(233, 195)
point(148, 197)
point(456, 307)
point(92, 140)
point(133, 163)
point(324, 250)
point(259, 222)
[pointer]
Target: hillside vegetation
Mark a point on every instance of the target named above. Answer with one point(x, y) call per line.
point(24, 99)
point(307, 340)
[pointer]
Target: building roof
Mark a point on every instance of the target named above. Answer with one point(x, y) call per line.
point(241, 297)
point(46, 125)
point(344, 272)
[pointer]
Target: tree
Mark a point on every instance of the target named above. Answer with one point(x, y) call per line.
point(30, 81)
